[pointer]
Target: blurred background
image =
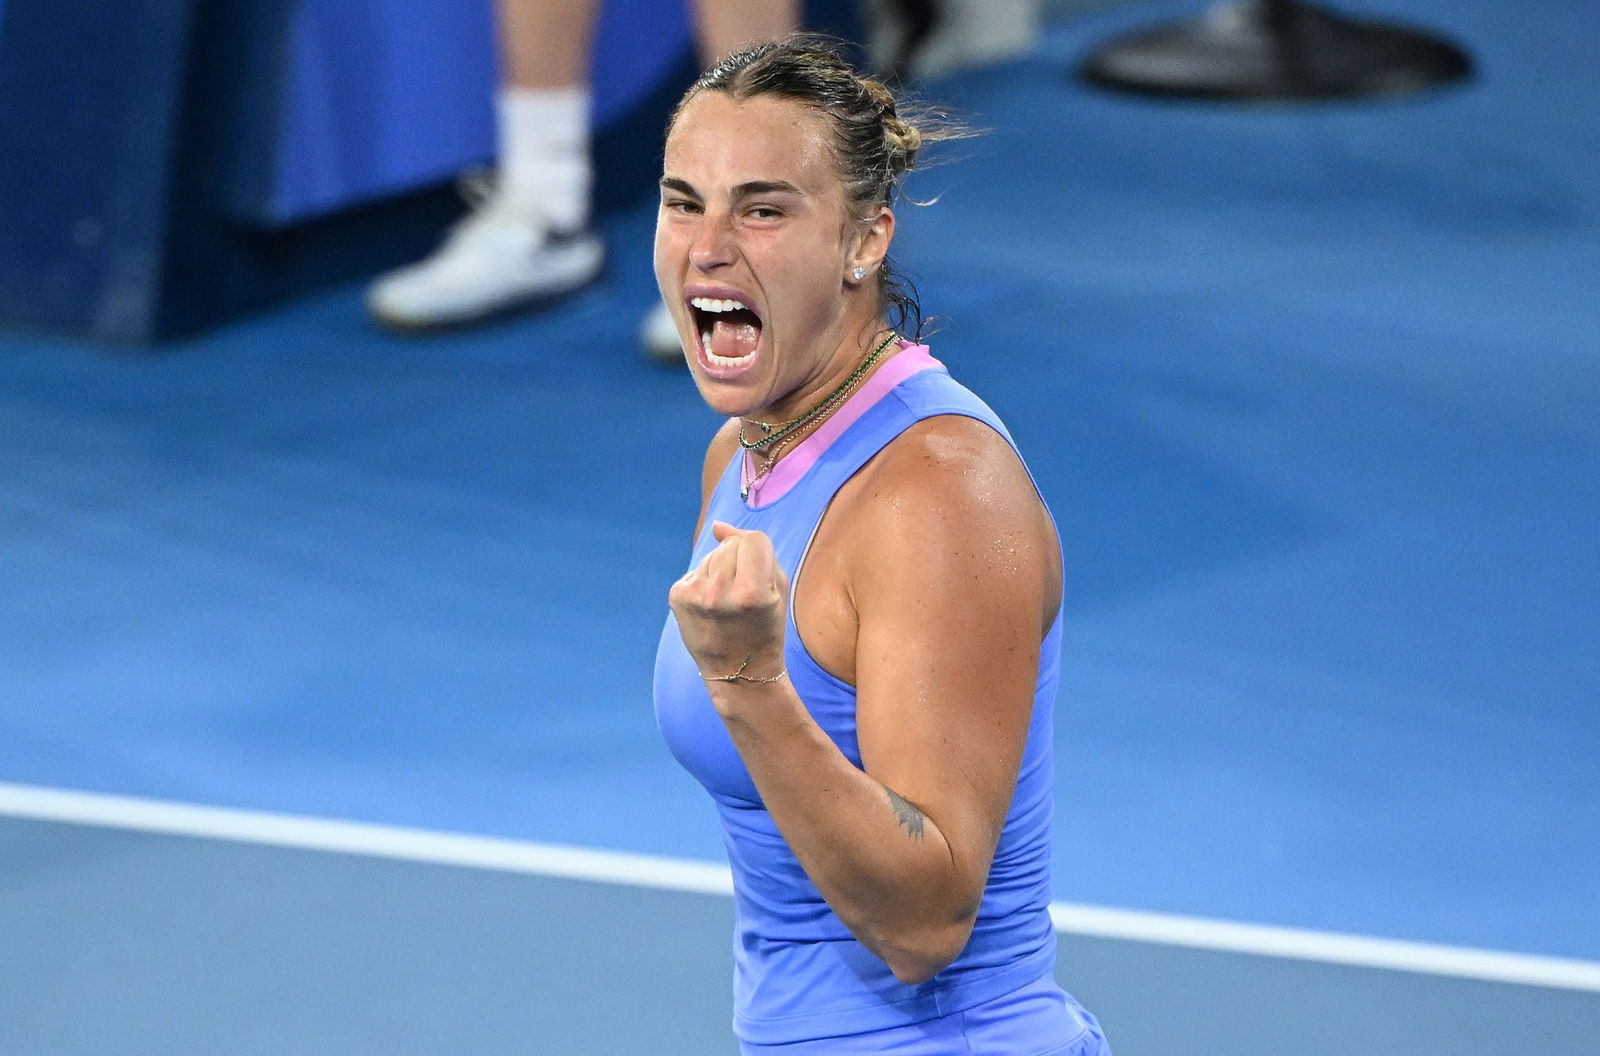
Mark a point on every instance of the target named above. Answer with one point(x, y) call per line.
point(325, 650)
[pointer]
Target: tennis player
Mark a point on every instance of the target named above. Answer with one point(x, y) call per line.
point(861, 663)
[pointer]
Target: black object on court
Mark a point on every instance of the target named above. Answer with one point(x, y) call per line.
point(1274, 50)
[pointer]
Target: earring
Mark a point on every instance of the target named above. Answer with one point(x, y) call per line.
point(859, 273)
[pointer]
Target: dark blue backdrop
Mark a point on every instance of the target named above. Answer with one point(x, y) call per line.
point(175, 185)
point(209, 156)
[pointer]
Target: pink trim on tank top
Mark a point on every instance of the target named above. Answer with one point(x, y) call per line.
point(911, 359)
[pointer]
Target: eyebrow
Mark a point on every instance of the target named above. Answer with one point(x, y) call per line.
point(743, 190)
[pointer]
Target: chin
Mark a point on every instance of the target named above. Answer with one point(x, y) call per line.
point(727, 400)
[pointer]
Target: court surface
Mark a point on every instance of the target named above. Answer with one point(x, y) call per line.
point(1313, 394)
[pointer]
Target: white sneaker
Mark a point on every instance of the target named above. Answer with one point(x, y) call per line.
point(501, 257)
point(659, 336)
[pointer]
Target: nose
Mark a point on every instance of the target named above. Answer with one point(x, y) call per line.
point(713, 245)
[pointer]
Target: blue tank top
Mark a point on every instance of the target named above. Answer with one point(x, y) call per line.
point(798, 972)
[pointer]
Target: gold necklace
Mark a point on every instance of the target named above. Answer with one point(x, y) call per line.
point(747, 479)
point(776, 433)
point(790, 432)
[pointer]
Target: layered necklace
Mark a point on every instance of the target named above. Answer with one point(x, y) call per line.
point(778, 436)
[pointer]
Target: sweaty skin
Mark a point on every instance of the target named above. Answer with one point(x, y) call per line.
point(933, 576)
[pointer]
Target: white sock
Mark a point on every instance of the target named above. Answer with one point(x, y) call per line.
point(544, 152)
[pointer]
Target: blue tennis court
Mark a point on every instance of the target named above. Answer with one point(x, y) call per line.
point(325, 654)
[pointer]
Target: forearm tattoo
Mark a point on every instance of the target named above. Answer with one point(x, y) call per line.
point(907, 815)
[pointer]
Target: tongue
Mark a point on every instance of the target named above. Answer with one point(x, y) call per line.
point(734, 338)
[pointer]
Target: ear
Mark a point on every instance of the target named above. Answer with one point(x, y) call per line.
point(872, 245)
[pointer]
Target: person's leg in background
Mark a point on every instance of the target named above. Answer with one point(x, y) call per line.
point(528, 237)
point(721, 26)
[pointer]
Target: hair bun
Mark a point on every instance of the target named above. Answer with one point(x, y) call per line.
point(904, 142)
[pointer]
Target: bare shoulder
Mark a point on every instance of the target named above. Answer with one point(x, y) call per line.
point(950, 464)
point(950, 494)
point(724, 445)
point(721, 451)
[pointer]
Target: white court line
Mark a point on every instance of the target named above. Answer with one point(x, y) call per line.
point(676, 874)
point(348, 837)
point(1326, 946)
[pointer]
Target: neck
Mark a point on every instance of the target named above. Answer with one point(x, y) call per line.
point(772, 433)
point(852, 334)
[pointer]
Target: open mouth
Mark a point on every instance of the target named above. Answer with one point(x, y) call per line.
point(729, 331)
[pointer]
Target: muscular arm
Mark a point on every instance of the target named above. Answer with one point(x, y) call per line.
point(950, 571)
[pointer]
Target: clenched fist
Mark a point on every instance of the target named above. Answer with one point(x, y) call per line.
point(731, 608)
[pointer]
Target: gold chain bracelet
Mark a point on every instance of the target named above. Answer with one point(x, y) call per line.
point(740, 676)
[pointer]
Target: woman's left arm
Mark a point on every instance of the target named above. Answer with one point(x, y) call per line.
point(952, 573)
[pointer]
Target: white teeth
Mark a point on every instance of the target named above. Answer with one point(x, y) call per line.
point(719, 305)
point(714, 304)
point(722, 361)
